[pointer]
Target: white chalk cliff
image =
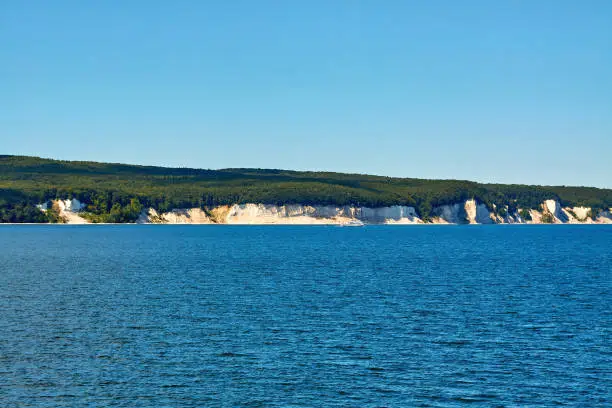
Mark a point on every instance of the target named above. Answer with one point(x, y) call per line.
point(177, 216)
point(67, 210)
point(284, 214)
point(467, 212)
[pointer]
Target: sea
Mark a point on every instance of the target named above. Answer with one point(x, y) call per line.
point(305, 316)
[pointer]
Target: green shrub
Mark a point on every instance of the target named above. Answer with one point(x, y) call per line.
point(547, 218)
point(525, 215)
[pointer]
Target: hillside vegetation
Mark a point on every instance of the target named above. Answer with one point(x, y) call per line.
point(118, 192)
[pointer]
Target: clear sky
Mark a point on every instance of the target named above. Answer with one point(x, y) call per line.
point(493, 91)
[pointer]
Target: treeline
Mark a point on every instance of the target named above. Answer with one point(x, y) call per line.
point(16, 207)
point(118, 192)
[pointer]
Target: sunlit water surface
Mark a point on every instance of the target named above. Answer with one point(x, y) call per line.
point(189, 316)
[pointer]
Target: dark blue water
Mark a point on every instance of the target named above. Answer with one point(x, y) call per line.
point(187, 316)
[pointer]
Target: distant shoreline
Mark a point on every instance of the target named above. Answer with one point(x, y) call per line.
point(297, 225)
point(80, 192)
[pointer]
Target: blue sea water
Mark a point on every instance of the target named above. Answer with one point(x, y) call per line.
point(381, 316)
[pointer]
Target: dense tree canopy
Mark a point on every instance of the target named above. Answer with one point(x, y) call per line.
point(118, 192)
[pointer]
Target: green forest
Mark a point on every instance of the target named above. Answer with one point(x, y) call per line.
point(118, 192)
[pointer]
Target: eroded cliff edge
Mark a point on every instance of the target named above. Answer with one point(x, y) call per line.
point(467, 212)
point(72, 211)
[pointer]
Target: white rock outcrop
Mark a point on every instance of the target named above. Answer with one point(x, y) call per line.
point(397, 214)
point(470, 212)
point(467, 212)
point(69, 209)
point(72, 205)
point(305, 214)
point(176, 216)
point(581, 214)
point(448, 214)
point(553, 208)
point(477, 213)
point(605, 217)
point(284, 214)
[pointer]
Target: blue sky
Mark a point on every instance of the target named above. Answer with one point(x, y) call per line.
point(510, 92)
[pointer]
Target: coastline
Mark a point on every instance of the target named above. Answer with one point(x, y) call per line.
point(468, 212)
point(424, 225)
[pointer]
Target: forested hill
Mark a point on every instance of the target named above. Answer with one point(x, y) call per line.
point(123, 189)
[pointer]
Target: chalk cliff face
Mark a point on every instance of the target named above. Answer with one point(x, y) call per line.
point(285, 214)
point(477, 213)
point(449, 214)
point(605, 217)
point(66, 209)
point(467, 212)
point(579, 214)
point(69, 210)
point(72, 205)
point(397, 214)
point(554, 210)
point(177, 216)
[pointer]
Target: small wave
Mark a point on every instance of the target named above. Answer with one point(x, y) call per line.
point(229, 354)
